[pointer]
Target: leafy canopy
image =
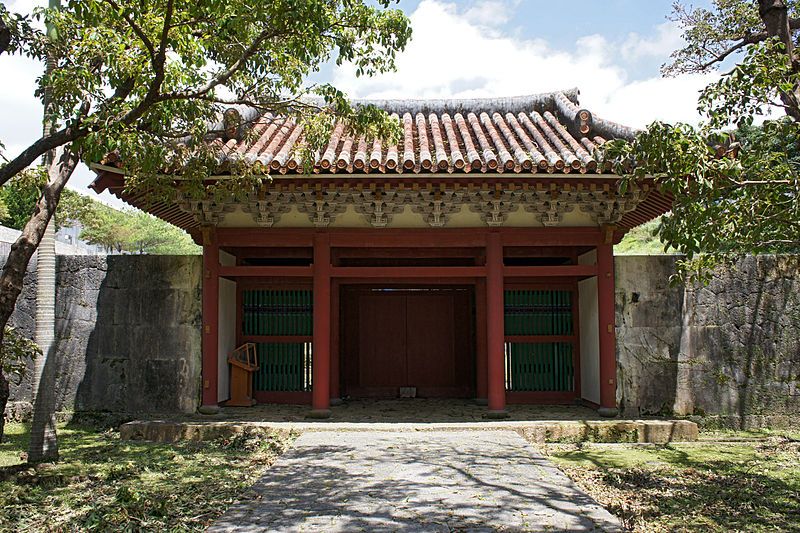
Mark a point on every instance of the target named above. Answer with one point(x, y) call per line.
point(142, 78)
point(736, 187)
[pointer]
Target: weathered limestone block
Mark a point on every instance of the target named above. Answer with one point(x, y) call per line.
point(127, 333)
point(734, 344)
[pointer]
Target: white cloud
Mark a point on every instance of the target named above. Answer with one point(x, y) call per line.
point(639, 103)
point(452, 56)
point(489, 13)
point(661, 44)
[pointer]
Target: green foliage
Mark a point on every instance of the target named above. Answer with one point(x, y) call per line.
point(642, 240)
point(135, 232)
point(150, 81)
point(117, 231)
point(105, 484)
point(734, 192)
point(709, 33)
point(17, 351)
point(20, 195)
point(752, 88)
point(725, 204)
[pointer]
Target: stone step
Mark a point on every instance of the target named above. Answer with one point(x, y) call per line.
point(639, 431)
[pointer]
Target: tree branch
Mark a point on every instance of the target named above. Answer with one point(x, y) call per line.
point(137, 30)
point(37, 149)
point(5, 36)
point(745, 41)
point(152, 95)
point(22, 250)
point(223, 76)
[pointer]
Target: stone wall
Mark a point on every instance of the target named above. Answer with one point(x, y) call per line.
point(128, 334)
point(129, 337)
point(729, 350)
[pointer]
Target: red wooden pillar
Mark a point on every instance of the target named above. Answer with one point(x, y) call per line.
point(481, 362)
point(321, 371)
point(336, 395)
point(210, 341)
point(495, 335)
point(606, 316)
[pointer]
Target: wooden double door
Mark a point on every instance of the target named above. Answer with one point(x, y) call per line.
point(407, 337)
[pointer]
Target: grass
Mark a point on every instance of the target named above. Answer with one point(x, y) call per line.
point(752, 484)
point(105, 484)
point(641, 241)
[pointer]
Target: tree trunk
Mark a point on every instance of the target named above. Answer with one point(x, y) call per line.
point(4, 392)
point(24, 247)
point(775, 17)
point(5, 37)
point(43, 444)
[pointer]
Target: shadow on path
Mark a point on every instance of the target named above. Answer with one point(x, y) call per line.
point(431, 481)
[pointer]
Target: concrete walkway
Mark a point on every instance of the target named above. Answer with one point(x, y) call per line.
point(425, 481)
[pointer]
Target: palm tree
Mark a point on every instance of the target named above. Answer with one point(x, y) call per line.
point(44, 444)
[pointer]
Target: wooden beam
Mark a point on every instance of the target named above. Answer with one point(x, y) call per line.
point(266, 271)
point(265, 237)
point(407, 272)
point(549, 271)
point(495, 315)
point(321, 370)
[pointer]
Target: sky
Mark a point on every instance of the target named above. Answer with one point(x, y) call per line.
point(610, 49)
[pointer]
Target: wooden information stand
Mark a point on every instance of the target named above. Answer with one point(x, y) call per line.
point(244, 362)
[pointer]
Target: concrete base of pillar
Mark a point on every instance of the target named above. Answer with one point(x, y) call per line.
point(496, 415)
point(607, 412)
point(336, 401)
point(319, 414)
point(208, 409)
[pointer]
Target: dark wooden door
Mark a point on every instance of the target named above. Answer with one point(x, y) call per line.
point(382, 363)
point(416, 339)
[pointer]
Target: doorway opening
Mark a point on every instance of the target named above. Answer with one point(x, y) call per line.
point(410, 341)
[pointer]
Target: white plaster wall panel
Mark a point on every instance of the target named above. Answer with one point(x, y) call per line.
point(589, 339)
point(227, 334)
point(589, 258)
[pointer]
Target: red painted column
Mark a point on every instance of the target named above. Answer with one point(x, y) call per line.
point(495, 334)
point(481, 362)
point(321, 371)
point(210, 341)
point(606, 316)
point(336, 395)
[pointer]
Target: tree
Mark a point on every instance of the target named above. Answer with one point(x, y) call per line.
point(148, 81)
point(130, 231)
point(731, 196)
point(19, 196)
point(15, 354)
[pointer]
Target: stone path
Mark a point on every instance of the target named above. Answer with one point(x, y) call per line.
point(424, 481)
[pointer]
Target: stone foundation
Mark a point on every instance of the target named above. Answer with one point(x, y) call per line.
point(639, 431)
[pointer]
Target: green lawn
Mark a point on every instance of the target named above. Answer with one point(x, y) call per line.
point(751, 483)
point(105, 484)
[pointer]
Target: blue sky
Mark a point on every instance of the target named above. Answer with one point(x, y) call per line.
point(610, 49)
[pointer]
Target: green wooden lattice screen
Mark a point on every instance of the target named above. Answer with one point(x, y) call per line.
point(545, 365)
point(277, 313)
point(285, 365)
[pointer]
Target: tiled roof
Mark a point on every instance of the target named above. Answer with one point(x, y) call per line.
point(543, 133)
point(535, 153)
